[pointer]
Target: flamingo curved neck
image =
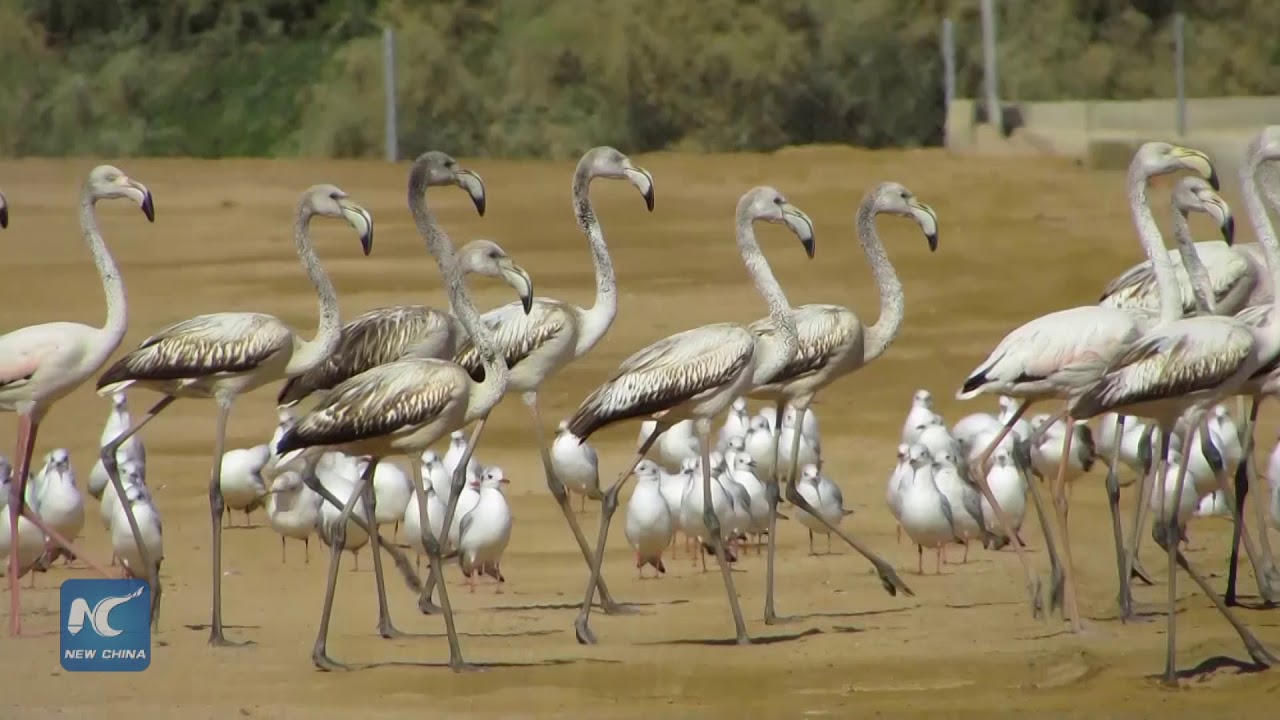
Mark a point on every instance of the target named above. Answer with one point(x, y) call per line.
point(117, 321)
point(889, 322)
point(1251, 177)
point(1153, 244)
point(597, 318)
point(308, 354)
point(788, 341)
point(488, 393)
point(1201, 285)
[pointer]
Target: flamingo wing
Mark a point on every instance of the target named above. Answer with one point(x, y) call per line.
point(665, 374)
point(515, 334)
point(206, 345)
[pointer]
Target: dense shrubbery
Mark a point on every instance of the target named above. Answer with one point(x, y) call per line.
point(550, 77)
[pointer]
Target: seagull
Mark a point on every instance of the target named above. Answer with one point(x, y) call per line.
point(241, 481)
point(576, 464)
point(964, 499)
point(130, 475)
point(435, 476)
point(825, 497)
point(60, 503)
point(118, 421)
point(1009, 486)
point(391, 492)
point(925, 513)
point(920, 414)
point(293, 510)
point(649, 527)
point(122, 542)
point(675, 445)
point(900, 475)
point(743, 473)
point(735, 424)
point(453, 456)
point(485, 531)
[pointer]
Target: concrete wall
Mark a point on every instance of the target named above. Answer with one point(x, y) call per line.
point(1101, 132)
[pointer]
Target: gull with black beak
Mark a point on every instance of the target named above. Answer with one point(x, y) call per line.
point(42, 364)
point(221, 356)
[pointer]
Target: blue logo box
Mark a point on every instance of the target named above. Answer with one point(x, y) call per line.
point(105, 625)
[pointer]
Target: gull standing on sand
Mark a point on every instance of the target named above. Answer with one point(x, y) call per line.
point(118, 421)
point(457, 450)
point(485, 531)
point(649, 526)
point(964, 500)
point(122, 541)
point(925, 513)
point(920, 415)
point(241, 483)
point(59, 501)
point(576, 464)
point(825, 497)
point(1009, 486)
point(293, 510)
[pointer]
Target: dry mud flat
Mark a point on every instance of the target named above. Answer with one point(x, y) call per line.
point(1018, 238)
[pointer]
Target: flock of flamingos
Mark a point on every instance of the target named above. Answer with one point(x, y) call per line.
point(1171, 339)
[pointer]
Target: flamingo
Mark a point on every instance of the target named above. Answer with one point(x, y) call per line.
point(1058, 356)
point(834, 343)
point(1180, 369)
point(401, 408)
point(540, 342)
point(223, 355)
point(41, 364)
point(695, 375)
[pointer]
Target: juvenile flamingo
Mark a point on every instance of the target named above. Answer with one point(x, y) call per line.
point(224, 355)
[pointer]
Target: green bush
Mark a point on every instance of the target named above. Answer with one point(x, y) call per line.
point(548, 78)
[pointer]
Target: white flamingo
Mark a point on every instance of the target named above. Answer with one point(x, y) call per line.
point(1056, 356)
point(1186, 366)
point(41, 364)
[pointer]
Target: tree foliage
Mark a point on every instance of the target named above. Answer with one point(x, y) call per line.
point(552, 77)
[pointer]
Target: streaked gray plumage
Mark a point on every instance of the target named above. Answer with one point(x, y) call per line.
point(824, 331)
point(382, 402)
point(189, 356)
point(517, 334)
point(377, 337)
point(1191, 355)
point(670, 372)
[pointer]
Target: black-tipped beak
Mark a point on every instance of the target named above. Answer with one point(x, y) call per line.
point(1213, 179)
point(1229, 230)
point(932, 239)
point(4, 216)
point(148, 207)
point(810, 245)
point(366, 241)
point(474, 186)
point(526, 301)
point(648, 198)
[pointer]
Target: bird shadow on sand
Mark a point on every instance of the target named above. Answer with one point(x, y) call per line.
point(480, 666)
point(993, 603)
point(1254, 603)
point(724, 641)
point(851, 614)
point(1217, 663)
point(201, 627)
point(437, 635)
point(574, 606)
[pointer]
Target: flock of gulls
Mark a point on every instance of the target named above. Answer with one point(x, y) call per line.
point(1170, 342)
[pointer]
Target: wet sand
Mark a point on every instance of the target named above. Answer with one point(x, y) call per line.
point(1019, 238)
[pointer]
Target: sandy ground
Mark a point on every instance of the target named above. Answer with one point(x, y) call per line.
point(1018, 238)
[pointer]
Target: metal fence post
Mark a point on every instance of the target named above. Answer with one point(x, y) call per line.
point(1180, 71)
point(948, 62)
point(389, 85)
point(989, 75)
